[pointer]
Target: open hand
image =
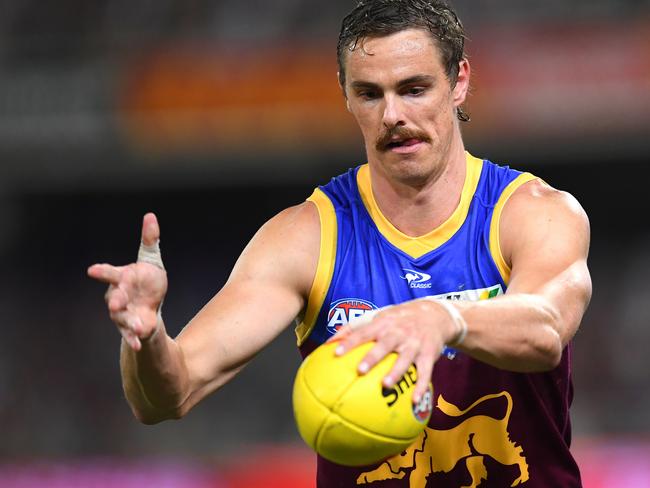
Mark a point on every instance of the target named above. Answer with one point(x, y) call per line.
point(136, 291)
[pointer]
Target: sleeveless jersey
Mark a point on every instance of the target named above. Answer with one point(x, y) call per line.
point(489, 427)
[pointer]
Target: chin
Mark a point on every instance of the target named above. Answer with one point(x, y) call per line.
point(412, 171)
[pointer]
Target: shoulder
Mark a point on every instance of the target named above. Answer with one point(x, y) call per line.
point(540, 215)
point(299, 219)
point(292, 232)
point(537, 197)
point(285, 249)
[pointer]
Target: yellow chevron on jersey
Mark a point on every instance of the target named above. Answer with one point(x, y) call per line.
point(418, 246)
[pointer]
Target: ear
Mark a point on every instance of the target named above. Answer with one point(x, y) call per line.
point(462, 82)
point(345, 95)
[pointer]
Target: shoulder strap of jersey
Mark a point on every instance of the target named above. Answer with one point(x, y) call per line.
point(495, 244)
point(326, 261)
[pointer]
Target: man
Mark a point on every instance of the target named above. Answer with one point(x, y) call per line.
point(422, 219)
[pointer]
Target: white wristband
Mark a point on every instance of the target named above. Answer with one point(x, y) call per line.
point(150, 254)
point(456, 317)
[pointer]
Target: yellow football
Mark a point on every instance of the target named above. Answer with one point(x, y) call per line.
point(351, 419)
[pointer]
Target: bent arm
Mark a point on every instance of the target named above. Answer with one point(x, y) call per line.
point(545, 238)
point(545, 241)
point(264, 293)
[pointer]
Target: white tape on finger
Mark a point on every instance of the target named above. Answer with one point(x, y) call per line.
point(150, 254)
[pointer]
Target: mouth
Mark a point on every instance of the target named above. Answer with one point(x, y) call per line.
point(404, 146)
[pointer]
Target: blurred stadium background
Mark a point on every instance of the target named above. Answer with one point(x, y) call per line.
point(216, 115)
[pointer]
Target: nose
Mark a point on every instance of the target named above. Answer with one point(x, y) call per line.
point(393, 112)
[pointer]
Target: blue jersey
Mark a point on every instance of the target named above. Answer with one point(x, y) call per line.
point(488, 425)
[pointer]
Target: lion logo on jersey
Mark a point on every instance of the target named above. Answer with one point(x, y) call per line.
point(441, 450)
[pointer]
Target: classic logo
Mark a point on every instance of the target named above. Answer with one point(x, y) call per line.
point(473, 440)
point(346, 309)
point(416, 279)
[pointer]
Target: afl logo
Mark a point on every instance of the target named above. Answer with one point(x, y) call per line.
point(422, 410)
point(346, 309)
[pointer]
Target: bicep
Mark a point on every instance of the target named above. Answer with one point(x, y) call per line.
point(265, 292)
point(546, 233)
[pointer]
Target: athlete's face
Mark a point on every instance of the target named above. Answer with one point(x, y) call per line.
point(397, 89)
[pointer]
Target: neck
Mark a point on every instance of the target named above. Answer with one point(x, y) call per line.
point(417, 208)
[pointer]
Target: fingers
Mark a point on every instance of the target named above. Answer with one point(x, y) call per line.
point(349, 339)
point(365, 319)
point(116, 299)
point(424, 365)
point(340, 334)
point(149, 251)
point(150, 229)
point(132, 340)
point(375, 355)
point(403, 362)
point(400, 331)
point(128, 323)
point(106, 273)
point(387, 340)
point(130, 327)
point(361, 329)
point(150, 237)
point(358, 323)
point(353, 325)
point(135, 291)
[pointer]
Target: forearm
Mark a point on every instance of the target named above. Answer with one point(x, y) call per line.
point(516, 332)
point(155, 379)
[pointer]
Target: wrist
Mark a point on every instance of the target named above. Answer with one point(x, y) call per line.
point(459, 332)
point(156, 330)
point(459, 321)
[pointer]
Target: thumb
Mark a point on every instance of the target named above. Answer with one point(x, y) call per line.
point(150, 229)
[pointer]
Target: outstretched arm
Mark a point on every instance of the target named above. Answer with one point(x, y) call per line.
point(545, 241)
point(164, 377)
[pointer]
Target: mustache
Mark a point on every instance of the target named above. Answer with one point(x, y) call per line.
point(400, 132)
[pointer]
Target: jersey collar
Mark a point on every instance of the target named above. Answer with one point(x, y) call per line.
point(420, 245)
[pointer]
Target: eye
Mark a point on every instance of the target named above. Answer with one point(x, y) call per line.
point(415, 90)
point(368, 94)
